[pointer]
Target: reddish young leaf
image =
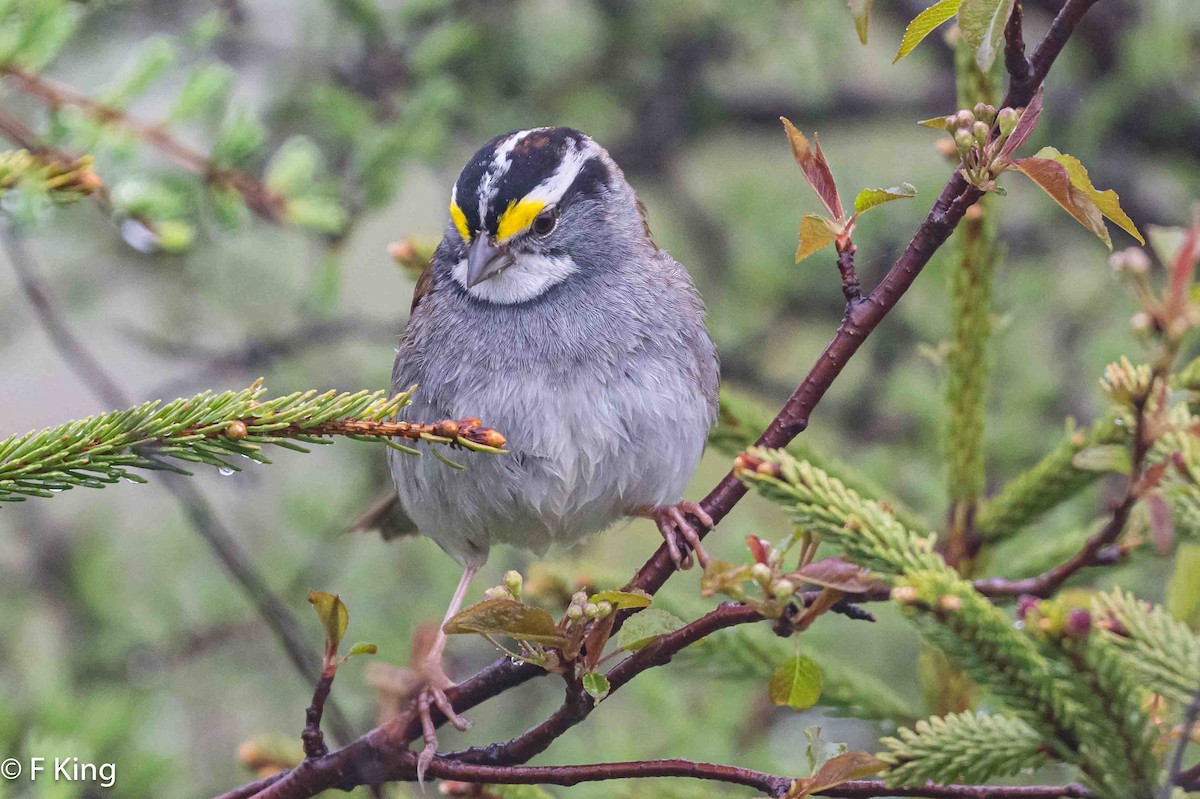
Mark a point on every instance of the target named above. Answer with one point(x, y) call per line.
point(1052, 178)
point(843, 768)
point(836, 573)
point(759, 548)
point(1107, 201)
point(1025, 125)
point(815, 168)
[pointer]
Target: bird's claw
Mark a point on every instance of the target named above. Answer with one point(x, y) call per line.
point(674, 526)
point(431, 696)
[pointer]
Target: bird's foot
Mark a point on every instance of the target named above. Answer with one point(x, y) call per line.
point(680, 534)
point(433, 695)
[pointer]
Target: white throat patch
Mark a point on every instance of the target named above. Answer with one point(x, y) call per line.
point(529, 276)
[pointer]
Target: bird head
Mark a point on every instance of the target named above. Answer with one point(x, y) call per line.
point(533, 208)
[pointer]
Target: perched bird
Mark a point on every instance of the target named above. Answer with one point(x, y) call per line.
point(549, 312)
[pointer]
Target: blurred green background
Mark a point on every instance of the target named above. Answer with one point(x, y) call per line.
point(123, 639)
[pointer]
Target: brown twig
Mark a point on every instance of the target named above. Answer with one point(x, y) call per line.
point(851, 286)
point(1015, 62)
point(258, 197)
point(312, 737)
point(383, 749)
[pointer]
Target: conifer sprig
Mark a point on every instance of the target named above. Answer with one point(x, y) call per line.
point(962, 747)
point(1161, 649)
point(213, 429)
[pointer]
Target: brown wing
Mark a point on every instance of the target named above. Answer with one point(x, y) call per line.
point(423, 287)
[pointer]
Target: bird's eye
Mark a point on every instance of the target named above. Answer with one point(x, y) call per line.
point(545, 222)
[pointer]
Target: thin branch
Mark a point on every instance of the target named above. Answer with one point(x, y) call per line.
point(312, 738)
point(199, 512)
point(1185, 737)
point(259, 198)
point(851, 287)
point(1015, 62)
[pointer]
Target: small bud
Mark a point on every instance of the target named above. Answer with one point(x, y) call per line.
point(1140, 322)
point(488, 437)
point(1046, 624)
point(964, 140)
point(603, 609)
point(1079, 623)
point(1132, 260)
point(981, 131)
point(904, 594)
point(590, 610)
point(951, 122)
point(964, 119)
point(513, 582)
point(783, 589)
point(985, 112)
point(579, 598)
point(447, 428)
point(402, 252)
point(1026, 603)
point(236, 430)
point(1007, 119)
point(574, 612)
point(497, 592)
point(950, 603)
point(761, 573)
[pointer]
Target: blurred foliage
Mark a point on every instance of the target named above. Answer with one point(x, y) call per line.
point(311, 134)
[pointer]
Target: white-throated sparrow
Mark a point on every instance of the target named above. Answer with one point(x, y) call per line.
point(549, 312)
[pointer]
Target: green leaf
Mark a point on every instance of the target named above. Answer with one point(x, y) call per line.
point(796, 684)
point(1107, 201)
point(622, 599)
point(981, 24)
point(205, 88)
point(924, 24)
point(596, 684)
point(294, 166)
point(509, 617)
point(362, 648)
point(1053, 178)
point(334, 616)
point(642, 628)
point(149, 63)
point(816, 233)
point(861, 11)
point(869, 198)
point(322, 214)
point(240, 137)
point(1103, 458)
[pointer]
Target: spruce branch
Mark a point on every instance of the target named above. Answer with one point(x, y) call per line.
point(966, 747)
point(1162, 650)
point(212, 429)
point(870, 535)
point(62, 181)
point(1049, 483)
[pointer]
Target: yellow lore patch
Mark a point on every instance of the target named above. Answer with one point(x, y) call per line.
point(518, 216)
point(460, 221)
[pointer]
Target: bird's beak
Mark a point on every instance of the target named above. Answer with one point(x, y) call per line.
point(484, 260)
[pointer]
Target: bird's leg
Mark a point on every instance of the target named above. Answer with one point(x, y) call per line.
point(677, 531)
point(435, 682)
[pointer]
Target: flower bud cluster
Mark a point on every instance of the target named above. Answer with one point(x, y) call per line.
point(1054, 619)
point(582, 608)
point(974, 143)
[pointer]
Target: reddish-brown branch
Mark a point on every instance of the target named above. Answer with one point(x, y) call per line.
point(1014, 45)
point(312, 737)
point(260, 199)
point(851, 286)
point(378, 754)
